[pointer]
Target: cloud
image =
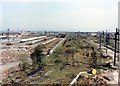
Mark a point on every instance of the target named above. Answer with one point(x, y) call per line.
point(81, 1)
point(91, 18)
point(17, 0)
point(92, 15)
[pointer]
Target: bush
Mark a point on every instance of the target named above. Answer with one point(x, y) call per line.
point(37, 55)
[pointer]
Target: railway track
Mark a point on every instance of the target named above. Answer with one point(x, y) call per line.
point(21, 46)
point(111, 48)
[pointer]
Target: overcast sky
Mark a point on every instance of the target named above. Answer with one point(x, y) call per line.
point(59, 15)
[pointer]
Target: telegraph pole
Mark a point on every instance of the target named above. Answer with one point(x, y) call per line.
point(115, 47)
point(118, 59)
point(106, 41)
point(100, 39)
point(8, 33)
point(119, 43)
point(103, 40)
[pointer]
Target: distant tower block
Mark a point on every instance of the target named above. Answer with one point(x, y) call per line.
point(45, 32)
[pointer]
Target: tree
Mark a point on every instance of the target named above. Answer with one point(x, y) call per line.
point(37, 55)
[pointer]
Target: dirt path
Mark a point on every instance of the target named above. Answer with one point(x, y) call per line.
point(51, 51)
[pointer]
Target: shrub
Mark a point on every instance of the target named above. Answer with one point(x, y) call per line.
point(37, 55)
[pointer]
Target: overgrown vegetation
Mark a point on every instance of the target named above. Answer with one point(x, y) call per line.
point(73, 55)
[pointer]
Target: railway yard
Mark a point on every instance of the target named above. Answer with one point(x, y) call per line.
point(60, 43)
point(55, 60)
point(9, 54)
